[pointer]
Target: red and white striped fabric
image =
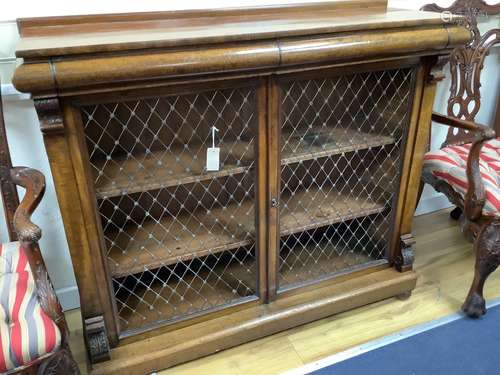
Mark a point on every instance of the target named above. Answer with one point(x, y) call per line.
point(26, 332)
point(449, 164)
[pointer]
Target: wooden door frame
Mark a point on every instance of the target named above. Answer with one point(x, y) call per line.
point(421, 67)
point(74, 137)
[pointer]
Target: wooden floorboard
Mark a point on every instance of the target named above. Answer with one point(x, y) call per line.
point(444, 262)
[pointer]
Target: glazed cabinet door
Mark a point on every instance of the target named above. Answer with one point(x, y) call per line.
point(179, 224)
point(341, 141)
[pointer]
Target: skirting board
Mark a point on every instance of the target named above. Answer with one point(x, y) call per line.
point(431, 204)
point(69, 298)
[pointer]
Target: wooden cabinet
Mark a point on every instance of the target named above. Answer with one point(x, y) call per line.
point(224, 175)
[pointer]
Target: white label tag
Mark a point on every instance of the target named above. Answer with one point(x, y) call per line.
point(213, 158)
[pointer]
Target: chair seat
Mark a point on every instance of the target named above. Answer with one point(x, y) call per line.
point(26, 332)
point(449, 165)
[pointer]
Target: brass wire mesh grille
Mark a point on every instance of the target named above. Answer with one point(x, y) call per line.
point(180, 239)
point(341, 147)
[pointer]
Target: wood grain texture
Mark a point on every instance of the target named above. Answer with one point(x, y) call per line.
point(80, 23)
point(407, 33)
point(93, 34)
point(395, 249)
point(70, 203)
point(420, 147)
point(85, 190)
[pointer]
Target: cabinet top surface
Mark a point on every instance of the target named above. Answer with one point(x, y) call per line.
point(57, 36)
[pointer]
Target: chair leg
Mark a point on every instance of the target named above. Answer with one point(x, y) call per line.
point(61, 363)
point(456, 213)
point(487, 250)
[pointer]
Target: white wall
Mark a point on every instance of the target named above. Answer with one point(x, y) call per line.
point(26, 142)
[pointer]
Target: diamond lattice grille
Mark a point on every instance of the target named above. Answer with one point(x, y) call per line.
point(341, 148)
point(180, 239)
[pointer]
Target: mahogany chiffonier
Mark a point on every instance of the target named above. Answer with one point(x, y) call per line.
point(227, 174)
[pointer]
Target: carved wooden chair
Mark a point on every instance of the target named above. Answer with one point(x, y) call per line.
point(33, 330)
point(467, 168)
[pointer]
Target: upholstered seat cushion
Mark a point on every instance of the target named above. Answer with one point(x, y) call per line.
point(26, 332)
point(449, 164)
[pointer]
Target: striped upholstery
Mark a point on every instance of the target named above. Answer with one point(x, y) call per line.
point(26, 332)
point(449, 165)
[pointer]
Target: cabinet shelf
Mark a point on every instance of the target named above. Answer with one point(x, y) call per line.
point(146, 251)
point(122, 175)
point(324, 141)
point(323, 212)
point(172, 240)
point(320, 254)
point(162, 169)
point(169, 297)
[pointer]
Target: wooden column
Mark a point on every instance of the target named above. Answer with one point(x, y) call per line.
point(61, 125)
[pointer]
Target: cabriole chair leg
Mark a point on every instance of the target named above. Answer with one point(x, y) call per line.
point(487, 250)
point(61, 363)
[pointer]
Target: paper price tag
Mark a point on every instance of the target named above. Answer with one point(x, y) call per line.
point(213, 158)
point(213, 154)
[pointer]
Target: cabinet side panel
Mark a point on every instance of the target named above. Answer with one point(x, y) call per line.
point(76, 222)
point(407, 161)
point(420, 148)
point(86, 192)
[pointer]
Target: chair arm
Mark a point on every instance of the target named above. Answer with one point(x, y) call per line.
point(34, 183)
point(462, 124)
point(475, 197)
point(29, 234)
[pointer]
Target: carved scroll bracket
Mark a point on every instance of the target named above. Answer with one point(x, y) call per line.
point(97, 339)
point(404, 261)
point(50, 116)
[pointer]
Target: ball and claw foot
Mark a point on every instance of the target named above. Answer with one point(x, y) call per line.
point(404, 296)
point(474, 307)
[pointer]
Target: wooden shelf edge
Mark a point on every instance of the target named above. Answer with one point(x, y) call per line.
point(117, 272)
point(382, 141)
point(255, 322)
point(333, 220)
point(137, 187)
point(104, 193)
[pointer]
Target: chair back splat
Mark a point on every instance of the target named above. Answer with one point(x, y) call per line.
point(466, 64)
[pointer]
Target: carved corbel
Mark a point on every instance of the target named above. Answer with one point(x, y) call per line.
point(50, 116)
point(97, 339)
point(404, 261)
